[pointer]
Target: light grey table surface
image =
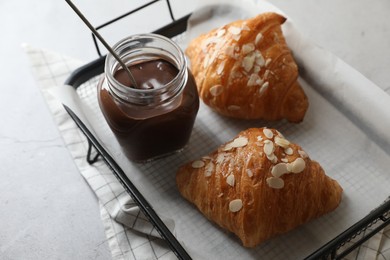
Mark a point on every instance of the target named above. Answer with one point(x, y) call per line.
point(47, 211)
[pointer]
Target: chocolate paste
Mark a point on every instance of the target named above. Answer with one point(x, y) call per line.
point(143, 139)
point(152, 74)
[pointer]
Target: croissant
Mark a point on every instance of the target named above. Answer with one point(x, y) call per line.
point(245, 70)
point(258, 185)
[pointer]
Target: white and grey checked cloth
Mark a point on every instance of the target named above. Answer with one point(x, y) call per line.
point(129, 234)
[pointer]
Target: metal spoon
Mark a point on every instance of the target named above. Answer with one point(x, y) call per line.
point(96, 33)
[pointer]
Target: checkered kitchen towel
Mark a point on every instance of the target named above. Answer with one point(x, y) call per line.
point(129, 233)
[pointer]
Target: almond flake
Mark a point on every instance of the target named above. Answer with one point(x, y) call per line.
point(206, 61)
point(298, 165)
point(256, 69)
point(206, 43)
point(247, 48)
point(245, 28)
point(259, 138)
point(253, 80)
point(249, 173)
point(282, 142)
point(285, 160)
point(235, 205)
point(236, 37)
point(197, 164)
point(220, 33)
point(220, 158)
point(233, 108)
point(263, 87)
point(213, 57)
point(275, 183)
point(236, 74)
point(236, 143)
point(229, 51)
point(267, 62)
point(280, 134)
point(221, 66)
point(240, 142)
point(258, 38)
point(303, 154)
point(234, 30)
point(220, 195)
point(279, 169)
point(268, 133)
point(247, 62)
point(289, 151)
point(209, 169)
point(268, 147)
point(216, 90)
point(272, 157)
point(259, 58)
point(260, 61)
point(228, 147)
point(266, 73)
point(289, 167)
point(230, 180)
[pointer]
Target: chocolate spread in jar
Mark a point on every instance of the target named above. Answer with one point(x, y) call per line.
point(143, 137)
point(151, 74)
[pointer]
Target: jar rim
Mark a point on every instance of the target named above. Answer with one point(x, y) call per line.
point(110, 60)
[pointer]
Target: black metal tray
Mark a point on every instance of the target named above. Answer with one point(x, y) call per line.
point(337, 248)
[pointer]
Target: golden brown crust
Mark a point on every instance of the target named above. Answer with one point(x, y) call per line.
point(245, 70)
point(267, 208)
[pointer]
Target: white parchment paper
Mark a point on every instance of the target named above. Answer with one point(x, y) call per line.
point(345, 129)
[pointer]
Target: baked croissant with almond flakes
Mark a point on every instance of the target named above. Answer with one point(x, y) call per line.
point(245, 70)
point(258, 185)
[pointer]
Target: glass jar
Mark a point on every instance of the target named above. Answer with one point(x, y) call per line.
point(156, 118)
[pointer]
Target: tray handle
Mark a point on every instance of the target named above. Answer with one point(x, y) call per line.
point(125, 15)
